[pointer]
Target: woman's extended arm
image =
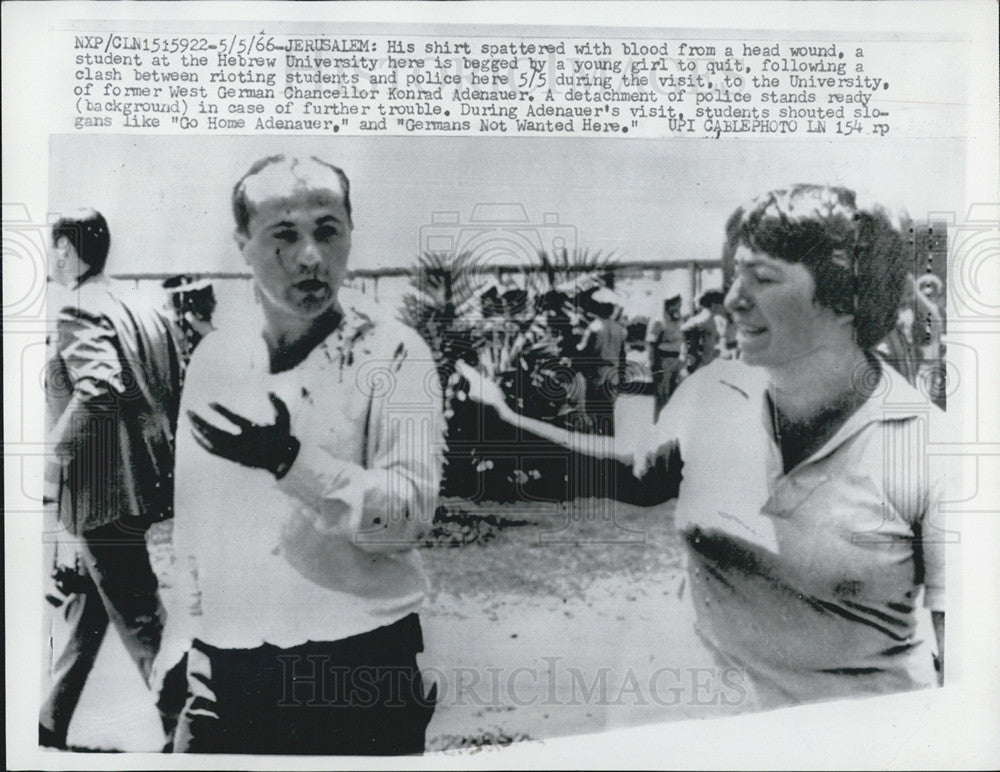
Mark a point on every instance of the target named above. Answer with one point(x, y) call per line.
point(488, 393)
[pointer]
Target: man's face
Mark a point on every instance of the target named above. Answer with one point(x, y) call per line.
point(299, 238)
point(772, 303)
point(64, 265)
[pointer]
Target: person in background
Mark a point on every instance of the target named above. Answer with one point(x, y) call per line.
point(666, 343)
point(929, 330)
point(192, 304)
point(703, 332)
point(602, 358)
point(809, 509)
point(638, 376)
point(112, 392)
point(898, 346)
point(309, 459)
point(929, 296)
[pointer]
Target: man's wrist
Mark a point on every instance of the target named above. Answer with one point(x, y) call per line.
point(288, 452)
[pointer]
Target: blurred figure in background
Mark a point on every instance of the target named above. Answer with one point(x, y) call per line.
point(602, 359)
point(703, 332)
point(112, 392)
point(665, 342)
point(929, 330)
point(915, 345)
point(898, 345)
point(930, 303)
point(192, 303)
point(638, 375)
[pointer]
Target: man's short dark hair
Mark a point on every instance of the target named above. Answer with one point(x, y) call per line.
point(856, 256)
point(711, 298)
point(87, 231)
point(673, 300)
point(241, 207)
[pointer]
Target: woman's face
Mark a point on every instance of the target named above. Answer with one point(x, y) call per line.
point(777, 318)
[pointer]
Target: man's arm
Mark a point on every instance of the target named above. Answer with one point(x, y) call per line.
point(86, 346)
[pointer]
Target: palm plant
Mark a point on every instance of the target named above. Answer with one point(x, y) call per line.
point(441, 307)
point(572, 271)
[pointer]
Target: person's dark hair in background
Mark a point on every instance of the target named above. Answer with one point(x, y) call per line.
point(711, 298)
point(190, 296)
point(88, 232)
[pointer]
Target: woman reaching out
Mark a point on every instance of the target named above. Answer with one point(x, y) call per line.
point(810, 523)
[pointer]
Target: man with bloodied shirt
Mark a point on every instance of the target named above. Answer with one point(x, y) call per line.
point(309, 459)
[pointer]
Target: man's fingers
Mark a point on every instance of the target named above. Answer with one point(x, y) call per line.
point(214, 440)
point(201, 423)
point(212, 433)
point(229, 415)
point(283, 418)
point(205, 443)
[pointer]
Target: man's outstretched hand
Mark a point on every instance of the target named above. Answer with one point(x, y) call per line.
point(268, 446)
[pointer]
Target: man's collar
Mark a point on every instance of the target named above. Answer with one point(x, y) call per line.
point(285, 355)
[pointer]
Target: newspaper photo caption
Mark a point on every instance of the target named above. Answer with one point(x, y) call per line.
point(450, 84)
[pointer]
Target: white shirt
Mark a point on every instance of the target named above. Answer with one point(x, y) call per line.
point(326, 552)
point(808, 581)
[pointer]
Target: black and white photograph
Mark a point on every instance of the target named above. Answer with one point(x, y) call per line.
point(503, 395)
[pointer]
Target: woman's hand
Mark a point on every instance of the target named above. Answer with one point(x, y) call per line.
point(481, 389)
point(640, 465)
